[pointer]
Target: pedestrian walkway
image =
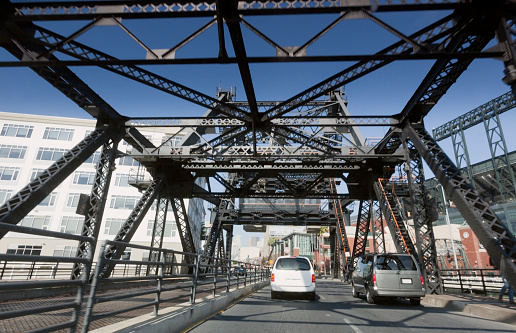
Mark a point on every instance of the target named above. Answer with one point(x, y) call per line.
point(476, 305)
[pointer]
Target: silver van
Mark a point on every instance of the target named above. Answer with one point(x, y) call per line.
point(388, 275)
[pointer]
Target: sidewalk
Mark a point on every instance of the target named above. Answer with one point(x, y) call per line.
point(476, 305)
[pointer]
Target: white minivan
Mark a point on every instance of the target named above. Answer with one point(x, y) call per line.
point(293, 275)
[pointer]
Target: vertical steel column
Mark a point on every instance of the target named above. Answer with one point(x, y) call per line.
point(183, 226)
point(158, 232)
point(229, 242)
point(362, 229)
point(130, 225)
point(460, 149)
point(377, 228)
point(425, 240)
point(496, 238)
point(334, 254)
point(95, 204)
point(501, 166)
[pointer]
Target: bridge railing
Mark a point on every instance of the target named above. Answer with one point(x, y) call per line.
point(42, 286)
point(485, 281)
point(194, 276)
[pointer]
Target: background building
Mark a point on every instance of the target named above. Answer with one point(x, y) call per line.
point(29, 144)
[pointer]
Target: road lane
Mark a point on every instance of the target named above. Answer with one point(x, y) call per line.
point(335, 310)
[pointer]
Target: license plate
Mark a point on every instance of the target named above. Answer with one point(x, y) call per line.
point(406, 281)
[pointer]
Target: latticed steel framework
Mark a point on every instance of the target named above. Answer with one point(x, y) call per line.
point(288, 148)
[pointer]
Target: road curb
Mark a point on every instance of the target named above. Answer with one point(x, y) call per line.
point(486, 311)
point(182, 316)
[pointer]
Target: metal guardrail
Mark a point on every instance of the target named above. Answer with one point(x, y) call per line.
point(485, 281)
point(134, 285)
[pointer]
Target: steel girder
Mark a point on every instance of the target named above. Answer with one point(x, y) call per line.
point(377, 228)
point(96, 204)
point(20, 204)
point(129, 227)
point(158, 231)
point(496, 238)
point(216, 226)
point(501, 165)
point(465, 37)
point(183, 226)
point(460, 149)
point(365, 210)
point(498, 105)
point(425, 240)
point(505, 34)
point(229, 242)
point(160, 9)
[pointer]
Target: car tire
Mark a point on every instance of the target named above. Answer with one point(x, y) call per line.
point(311, 296)
point(369, 297)
point(415, 301)
point(354, 291)
point(274, 295)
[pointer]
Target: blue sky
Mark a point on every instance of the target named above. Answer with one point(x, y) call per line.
point(383, 92)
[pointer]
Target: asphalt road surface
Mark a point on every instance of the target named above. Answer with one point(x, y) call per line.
point(335, 310)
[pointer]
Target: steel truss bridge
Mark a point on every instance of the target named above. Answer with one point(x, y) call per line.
point(296, 148)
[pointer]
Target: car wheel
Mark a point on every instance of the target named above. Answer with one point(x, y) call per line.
point(369, 297)
point(354, 291)
point(274, 295)
point(311, 296)
point(415, 301)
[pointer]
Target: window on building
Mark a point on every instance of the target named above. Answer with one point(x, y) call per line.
point(5, 195)
point(29, 250)
point(84, 178)
point(65, 251)
point(72, 224)
point(128, 161)
point(93, 159)
point(170, 228)
point(62, 134)
point(73, 199)
point(35, 173)
point(19, 131)
point(50, 154)
point(122, 180)
point(9, 151)
point(49, 201)
point(171, 141)
point(9, 173)
point(123, 202)
point(33, 221)
point(113, 226)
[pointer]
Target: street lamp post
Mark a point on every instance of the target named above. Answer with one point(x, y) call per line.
point(447, 217)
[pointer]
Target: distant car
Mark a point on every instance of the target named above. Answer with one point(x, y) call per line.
point(388, 275)
point(240, 271)
point(292, 275)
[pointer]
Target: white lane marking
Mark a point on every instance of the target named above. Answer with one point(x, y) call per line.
point(356, 329)
point(322, 297)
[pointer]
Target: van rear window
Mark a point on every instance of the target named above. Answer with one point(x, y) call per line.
point(395, 262)
point(293, 264)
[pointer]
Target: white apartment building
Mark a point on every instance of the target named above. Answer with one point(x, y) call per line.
point(31, 143)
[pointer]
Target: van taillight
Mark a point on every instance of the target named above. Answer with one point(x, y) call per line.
point(374, 279)
point(422, 281)
point(272, 277)
point(313, 278)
